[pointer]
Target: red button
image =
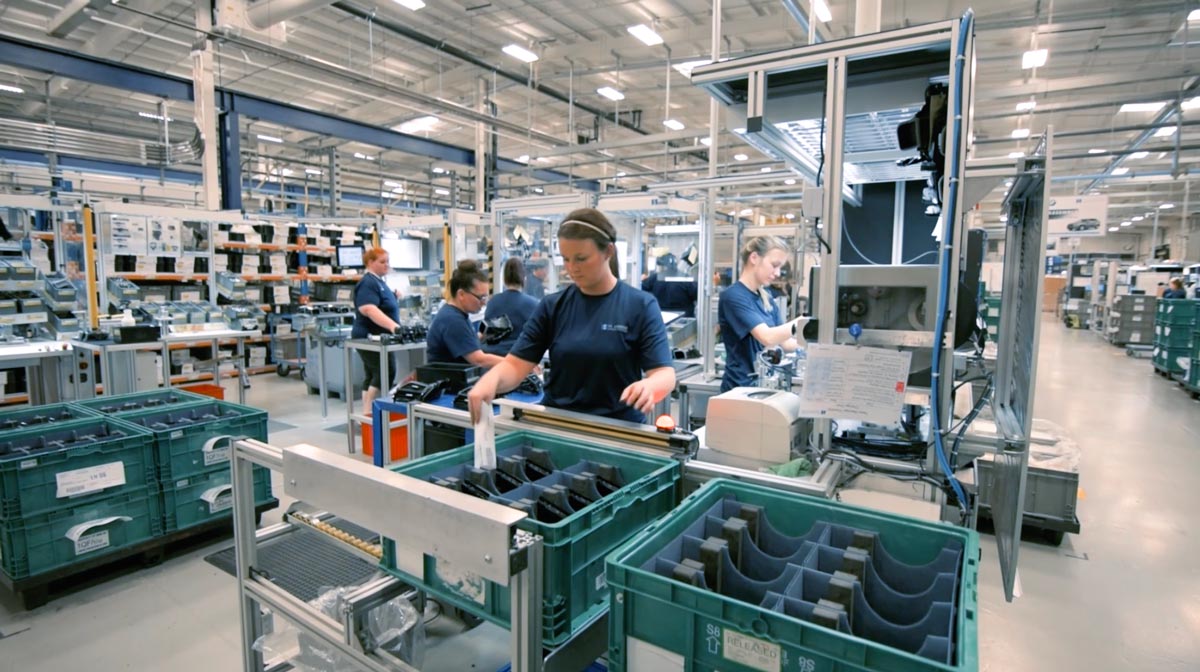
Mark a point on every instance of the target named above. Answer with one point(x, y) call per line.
point(665, 423)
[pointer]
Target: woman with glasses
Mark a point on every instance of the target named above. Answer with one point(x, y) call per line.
point(451, 337)
point(608, 346)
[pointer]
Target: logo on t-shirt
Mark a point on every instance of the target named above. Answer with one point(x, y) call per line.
point(620, 328)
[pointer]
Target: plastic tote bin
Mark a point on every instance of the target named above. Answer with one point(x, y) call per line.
point(196, 438)
point(741, 577)
point(207, 497)
point(38, 544)
point(209, 390)
point(398, 450)
point(40, 416)
point(138, 401)
point(612, 495)
point(67, 465)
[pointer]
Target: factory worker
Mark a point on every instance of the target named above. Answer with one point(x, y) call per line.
point(608, 347)
point(512, 304)
point(451, 337)
point(1175, 290)
point(748, 318)
point(376, 311)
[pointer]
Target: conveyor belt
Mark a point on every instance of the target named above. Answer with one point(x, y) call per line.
point(303, 564)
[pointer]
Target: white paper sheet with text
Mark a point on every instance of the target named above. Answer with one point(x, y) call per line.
point(854, 383)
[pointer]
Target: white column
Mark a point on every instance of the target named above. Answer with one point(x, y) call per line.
point(206, 108)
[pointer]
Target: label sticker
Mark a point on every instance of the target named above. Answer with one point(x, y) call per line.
point(216, 456)
point(213, 454)
point(92, 479)
point(601, 581)
point(177, 434)
point(222, 503)
point(91, 542)
point(28, 464)
point(751, 652)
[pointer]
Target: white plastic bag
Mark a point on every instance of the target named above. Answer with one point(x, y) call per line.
point(485, 440)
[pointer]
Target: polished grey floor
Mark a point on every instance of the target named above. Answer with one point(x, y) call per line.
point(1123, 595)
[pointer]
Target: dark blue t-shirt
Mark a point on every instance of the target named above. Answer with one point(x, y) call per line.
point(1175, 294)
point(599, 345)
point(515, 305)
point(740, 310)
point(371, 290)
point(676, 296)
point(451, 337)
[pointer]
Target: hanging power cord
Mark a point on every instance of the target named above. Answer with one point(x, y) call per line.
point(965, 423)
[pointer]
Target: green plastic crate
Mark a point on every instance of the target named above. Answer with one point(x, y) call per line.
point(1196, 344)
point(660, 619)
point(138, 401)
point(1194, 373)
point(196, 438)
point(1169, 359)
point(42, 416)
point(573, 583)
point(67, 465)
point(207, 497)
point(38, 544)
point(1173, 336)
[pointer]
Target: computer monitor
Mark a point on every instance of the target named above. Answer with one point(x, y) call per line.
point(350, 256)
point(405, 254)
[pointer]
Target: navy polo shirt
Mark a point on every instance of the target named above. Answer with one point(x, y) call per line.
point(371, 290)
point(739, 311)
point(517, 307)
point(451, 337)
point(599, 345)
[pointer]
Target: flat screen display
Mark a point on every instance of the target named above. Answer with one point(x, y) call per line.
point(405, 254)
point(350, 256)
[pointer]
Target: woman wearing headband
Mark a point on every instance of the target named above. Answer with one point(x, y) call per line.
point(608, 347)
point(749, 320)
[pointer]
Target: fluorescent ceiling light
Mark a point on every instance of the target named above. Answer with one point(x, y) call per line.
point(1138, 218)
point(385, 194)
point(685, 68)
point(1166, 206)
point(365, 157)
point(764, 169)
point(544, 159)
point(1008, 183)
point(707, 142)
point(1114, 228)
point(1034, 58)
point(1020, 133)
point(789, 216)
point(442, 192)
point(747, 211)
point(539, 190)
point(621, 174)
point(438, 170)
point(1194, 15)
point(520, 53)
point(790, 181)
point(1026, 106)
point(414, 5)
point(739, 131)
point(822, 11)
point(1189, 104)
point(418, 125)
point(610, 93)
point(398, 190)
point(1097, 151)
point(7, 88)
point(1142, 107)
point(1016, 155)
point(1127, 223)
point(269, 138)
point(146, 115)
point(1004, 218)
point(392, 183)
point(646, 34)
point(1139, 155)
point(524, 158)
point(1120, 171)
point(674, 124)
point(314, 171)
point(740, 157)
point(1165, 132)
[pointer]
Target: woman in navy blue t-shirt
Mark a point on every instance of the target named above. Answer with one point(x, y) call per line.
point(376, 311)
point(513, 304)
point(451, 337)
point(749, 320)
point(608, 347)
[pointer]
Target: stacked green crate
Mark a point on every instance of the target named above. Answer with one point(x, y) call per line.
point(1194, 370)
point(1174, 322)
point(74, 486)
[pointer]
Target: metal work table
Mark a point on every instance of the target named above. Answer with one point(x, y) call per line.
point(107, 348)
point(239, 358)
point(32, 355)
point(382, 350)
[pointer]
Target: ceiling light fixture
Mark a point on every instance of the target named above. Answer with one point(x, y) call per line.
point(269, 138)
point(765, 169)
point(442, 192)
point(1026, 106)
point(1194, 15)
point(1165, 132)
point(1003, 218)
point(1034, 58)
point(418, 125)
point(1020, 133)
point(1138, 218)
point(314, 171)
point(1113, 228)
point(707, 142)
point(621, 174)
point(739, 131)
point(386, 194)
point(438, 170)
point(539, 190)
point(610, 93)
point(1166, 206)
point(790, 181)
point(8, 88)
point(1097, 151)
point(1142, 107)
point(1016, 155)
point(524, 158)
point(151, 115)
point(747, 211)
point(822, 11)
point(646, 34)
point(365, 157)
point(1189, 104)
point(1139, 155)
point(1120, 171)
point(1127, 223)
point(740, 157)
point(674, 124)
point(789, 216)
point(390, 183)
point(520, 53)
point(414, 5)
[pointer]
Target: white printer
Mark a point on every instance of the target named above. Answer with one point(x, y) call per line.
point(756, 423)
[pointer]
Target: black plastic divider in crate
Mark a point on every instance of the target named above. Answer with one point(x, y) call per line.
point(834, 576)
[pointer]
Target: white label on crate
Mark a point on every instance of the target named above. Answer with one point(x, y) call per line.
point(92, 542)
point(752, 652)
point(86, 543)
point(601, 580)
point(641, 655)
point(468, 584)
point(214, 455)
point(219, 498)
point(1136, 318)
point(1135, 337)
point(28, 464)
point(1166, 331)
point(177, 434)
point(92, 479)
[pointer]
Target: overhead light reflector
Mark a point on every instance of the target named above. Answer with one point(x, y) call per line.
point(1165, 132)
point(1026, 106)
point(707, 142)
point(1138, 218)
point(1189, 104)
point(1142, 107)
point(1194, 15)
point(621, 174)
point(740, 157)
point(674, 124)
point(414, 5)
point(1127, 223)
point(520, 53)
point(1034, 58)
point(156, 117)
point(314, 171)
point(524, 158)
point(1139, 155)
point(1120, 171)
point(269, 138)
point(8, 88)
point(1097, 151)
point(790, 181)
point(822, 11)
point(764, 169)
point(646, 34)
point(1016, 155)
point(1113, 228)
point(438, 170)
point(442, 192)
point(610, 93)
point(1020, 133)
point(418, 125)
point(1166, 206)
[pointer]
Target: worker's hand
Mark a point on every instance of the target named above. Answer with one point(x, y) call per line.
point(480, 397)
point(639, 395)
point(397, 293)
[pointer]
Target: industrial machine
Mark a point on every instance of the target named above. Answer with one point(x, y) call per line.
point(757, 423)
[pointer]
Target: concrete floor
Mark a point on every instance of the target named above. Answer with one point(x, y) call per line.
point(1123, 595)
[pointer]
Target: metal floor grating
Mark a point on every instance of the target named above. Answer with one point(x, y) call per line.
point(302, 564)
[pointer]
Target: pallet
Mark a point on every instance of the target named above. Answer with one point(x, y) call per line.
point(36, 591)
point(1192, 390)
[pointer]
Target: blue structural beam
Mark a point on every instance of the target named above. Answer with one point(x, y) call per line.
point(65, 63)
